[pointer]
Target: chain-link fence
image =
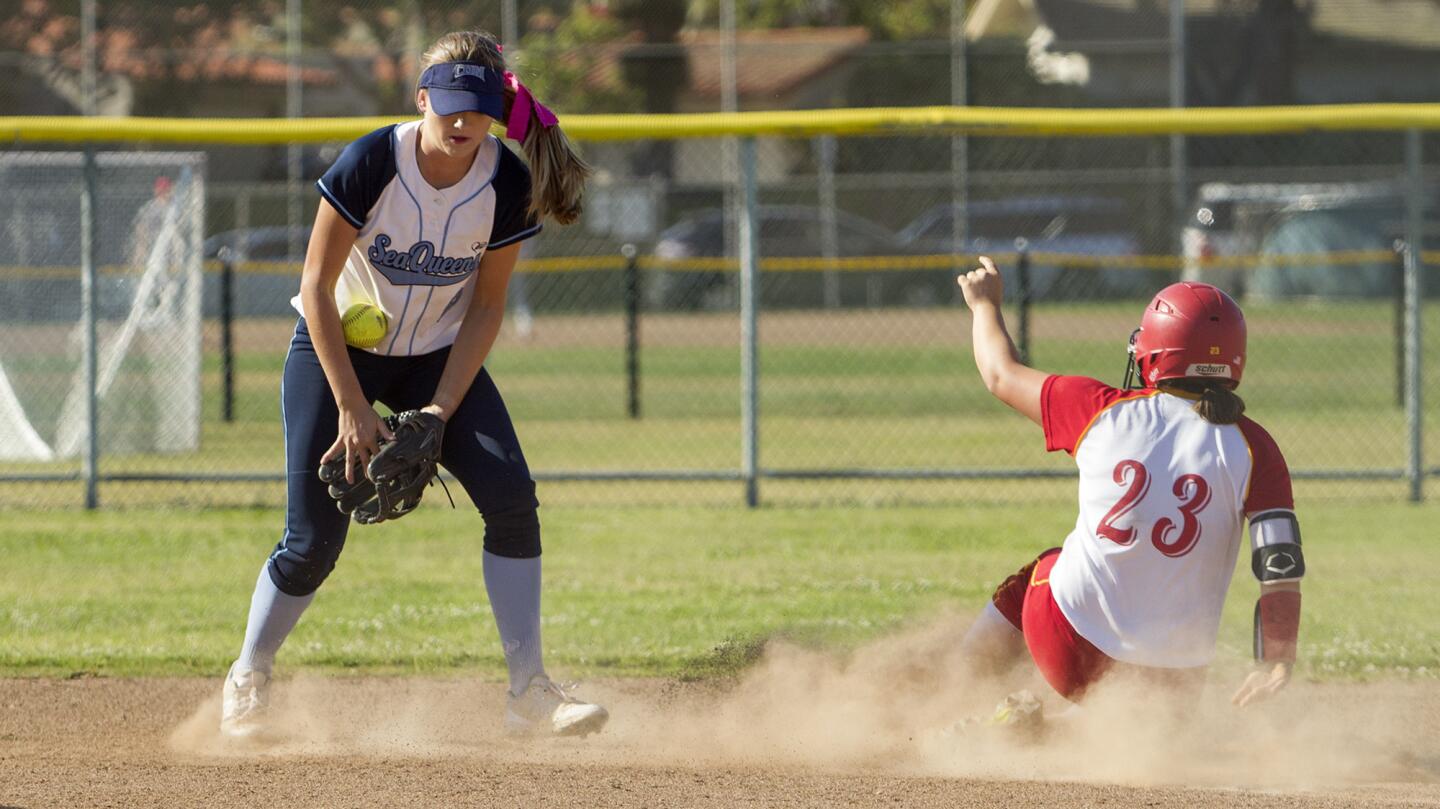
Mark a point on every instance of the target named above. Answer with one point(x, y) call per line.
point(626, 359)
point(624, 354)
point(101, 309)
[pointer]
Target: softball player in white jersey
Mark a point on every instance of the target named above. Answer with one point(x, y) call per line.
point(424, 220)
point(1169, 474)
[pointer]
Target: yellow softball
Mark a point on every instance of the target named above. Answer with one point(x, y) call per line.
point(364, 324)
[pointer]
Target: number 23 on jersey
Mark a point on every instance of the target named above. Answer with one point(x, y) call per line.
point(1192, 495)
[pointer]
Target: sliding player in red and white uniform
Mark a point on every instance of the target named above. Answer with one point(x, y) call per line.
point(1169, 474)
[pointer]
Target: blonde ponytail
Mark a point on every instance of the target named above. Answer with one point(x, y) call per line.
point(557, 172)
point(1218, 403)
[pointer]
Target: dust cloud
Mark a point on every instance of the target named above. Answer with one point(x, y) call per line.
point(891, 706)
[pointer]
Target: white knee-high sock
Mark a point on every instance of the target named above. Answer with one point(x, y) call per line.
point(993, 643)
point(272, 615)
point(514, 589)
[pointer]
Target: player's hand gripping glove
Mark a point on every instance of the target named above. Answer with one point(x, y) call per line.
point(396, 476)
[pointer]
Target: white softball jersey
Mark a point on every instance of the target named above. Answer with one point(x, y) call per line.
point(1163, 498)
point(419, 247)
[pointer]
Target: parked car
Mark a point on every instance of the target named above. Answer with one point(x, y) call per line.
point(1056, 223)
point(269, 260)
point(786, 231)
point(1278, 222)
point(279, 243)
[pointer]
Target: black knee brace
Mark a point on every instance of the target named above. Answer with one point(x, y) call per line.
point(513, 532)
point(298, 575)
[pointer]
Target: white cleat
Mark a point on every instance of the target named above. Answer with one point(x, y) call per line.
point(545, 709)
point(246, 701)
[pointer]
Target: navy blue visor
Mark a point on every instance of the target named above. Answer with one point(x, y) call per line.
point(456, 87)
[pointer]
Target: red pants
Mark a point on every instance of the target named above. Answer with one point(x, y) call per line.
point(1068, 662)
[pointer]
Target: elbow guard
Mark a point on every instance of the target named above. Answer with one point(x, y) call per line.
point(1277, 625)
point(1275, 538)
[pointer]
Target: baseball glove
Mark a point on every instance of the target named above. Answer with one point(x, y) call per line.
point(397, 474)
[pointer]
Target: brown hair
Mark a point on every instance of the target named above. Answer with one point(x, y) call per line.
point(558, 173)
point(1218, 403)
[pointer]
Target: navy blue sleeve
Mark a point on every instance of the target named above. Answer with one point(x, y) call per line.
point(513, 220)
point(360, 173)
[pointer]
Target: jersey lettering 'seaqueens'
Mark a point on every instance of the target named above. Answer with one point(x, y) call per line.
point(1163, 496)
point(414, 238)
point(420, 259)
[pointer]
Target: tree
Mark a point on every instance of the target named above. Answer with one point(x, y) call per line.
point(913, 19)
point(563, 58)
point(657, 68)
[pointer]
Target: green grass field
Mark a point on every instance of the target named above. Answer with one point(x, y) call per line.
point(672, 578)
point(665, 591)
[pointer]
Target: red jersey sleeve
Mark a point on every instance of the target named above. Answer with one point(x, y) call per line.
point(1067, 406)
point(1269, 475)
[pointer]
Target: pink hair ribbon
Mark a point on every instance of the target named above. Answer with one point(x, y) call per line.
point(518, 124)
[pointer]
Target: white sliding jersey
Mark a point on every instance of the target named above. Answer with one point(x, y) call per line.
point(419, 247)
point(1163, 495)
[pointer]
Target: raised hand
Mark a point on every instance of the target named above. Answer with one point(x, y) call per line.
point(982, 285)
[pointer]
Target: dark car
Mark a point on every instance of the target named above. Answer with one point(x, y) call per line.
point(786, 231)
point(267, 261)
point(1290, 228)
point(279, 243)
point(1080, 225)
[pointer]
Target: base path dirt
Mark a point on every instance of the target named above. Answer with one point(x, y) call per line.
point(790, 734)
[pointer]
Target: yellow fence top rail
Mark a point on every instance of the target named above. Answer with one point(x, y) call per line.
point(980, 121)
point(600, 263)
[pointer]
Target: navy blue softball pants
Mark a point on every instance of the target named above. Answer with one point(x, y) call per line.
point(480, 450)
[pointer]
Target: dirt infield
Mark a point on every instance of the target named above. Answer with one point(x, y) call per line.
point(799, 732)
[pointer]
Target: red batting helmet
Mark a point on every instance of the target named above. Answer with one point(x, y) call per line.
point(1191, 330)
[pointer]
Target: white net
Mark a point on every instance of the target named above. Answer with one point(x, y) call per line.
point(148, 224)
